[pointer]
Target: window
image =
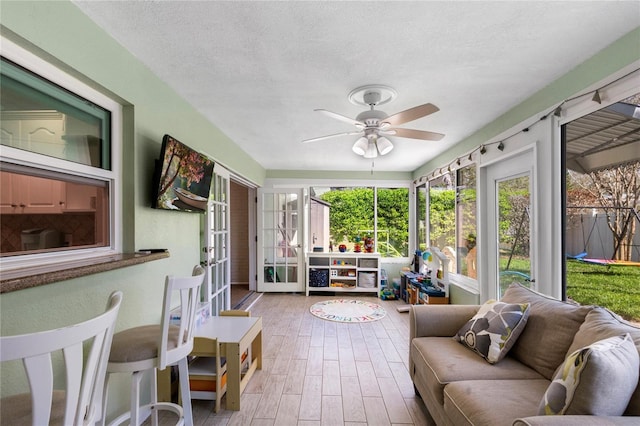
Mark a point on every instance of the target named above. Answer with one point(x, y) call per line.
point(442, 212)
point(452, 218)
point(466, 222)
point(602, 207)
point(421, 215)
point(59, 168)
point(41, 117)
point(46, 212)
point(392, 224)
point(351, 216)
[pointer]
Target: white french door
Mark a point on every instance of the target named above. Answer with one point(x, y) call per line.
point(216, 245)
point(280, 233)
point(509, 224)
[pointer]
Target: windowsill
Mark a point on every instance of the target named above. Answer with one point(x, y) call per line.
point(20, 279)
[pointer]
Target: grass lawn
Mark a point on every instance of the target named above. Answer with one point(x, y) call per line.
point(614, 287)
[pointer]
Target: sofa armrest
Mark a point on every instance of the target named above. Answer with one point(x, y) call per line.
point(438, 320)
point(576, 421)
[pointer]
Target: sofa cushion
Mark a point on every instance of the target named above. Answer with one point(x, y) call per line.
point(492, 402)
point(600, 324)
point(577, 421)
point(595, 380)
point(551, 325)
point(494, 329)
point(442, 360)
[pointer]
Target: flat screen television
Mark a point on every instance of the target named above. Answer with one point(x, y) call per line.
point(182, 179)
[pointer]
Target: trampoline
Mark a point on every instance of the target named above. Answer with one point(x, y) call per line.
point(609, 262)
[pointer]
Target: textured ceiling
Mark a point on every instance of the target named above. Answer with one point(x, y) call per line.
point(257, 70)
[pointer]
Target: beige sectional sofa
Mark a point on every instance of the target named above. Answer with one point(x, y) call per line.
point(459, 387)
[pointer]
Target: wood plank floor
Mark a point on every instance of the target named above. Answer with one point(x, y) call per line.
point(318, 372)
point(238, 293)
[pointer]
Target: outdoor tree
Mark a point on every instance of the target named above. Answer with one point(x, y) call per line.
point(351, 212)
point(466, 203)
point(514, 216)
point(442, 218)
point(352, 216)
point(393, 220)
point(617, 191)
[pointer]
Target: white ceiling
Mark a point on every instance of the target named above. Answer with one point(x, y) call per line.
point(258, 69)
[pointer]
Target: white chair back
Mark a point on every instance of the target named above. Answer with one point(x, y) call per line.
point(84, 371)
point(176, 342)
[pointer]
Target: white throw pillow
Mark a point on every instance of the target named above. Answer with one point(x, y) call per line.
point(598, 379)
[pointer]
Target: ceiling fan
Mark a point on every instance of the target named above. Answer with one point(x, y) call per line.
point(374, 126)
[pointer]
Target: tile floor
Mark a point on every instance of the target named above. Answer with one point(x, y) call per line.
point(318, 372)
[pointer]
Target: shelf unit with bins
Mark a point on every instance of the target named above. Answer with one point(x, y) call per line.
point(343, 272)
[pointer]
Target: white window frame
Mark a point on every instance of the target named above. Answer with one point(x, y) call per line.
point(37, 65)
point(463, 281)
point(307, 184)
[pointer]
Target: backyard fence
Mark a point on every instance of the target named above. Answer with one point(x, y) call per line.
point(590, 233)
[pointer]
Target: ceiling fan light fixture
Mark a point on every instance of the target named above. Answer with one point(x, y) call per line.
point(384, 145)
point(372, 150)
point(361, 145)
point(374, 125)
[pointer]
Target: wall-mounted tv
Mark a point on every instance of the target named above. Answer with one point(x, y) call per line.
point(182, 178)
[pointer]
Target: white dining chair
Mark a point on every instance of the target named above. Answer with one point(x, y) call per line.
point(150, 348)
point(85, 351)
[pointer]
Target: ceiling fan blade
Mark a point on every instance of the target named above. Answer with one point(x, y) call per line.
point(332, 136)
point(411, 114)
point(341, 117)
point(418, 134)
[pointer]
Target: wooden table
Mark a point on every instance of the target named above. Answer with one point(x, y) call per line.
point(235, 335)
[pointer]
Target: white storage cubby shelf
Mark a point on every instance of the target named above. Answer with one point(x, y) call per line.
point(343, 272)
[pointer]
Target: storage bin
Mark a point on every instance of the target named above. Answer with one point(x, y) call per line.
point(318, 277)
point(206, 385)
point(368, 263)
point(367, 279)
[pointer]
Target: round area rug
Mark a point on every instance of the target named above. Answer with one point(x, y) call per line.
point(345, 310)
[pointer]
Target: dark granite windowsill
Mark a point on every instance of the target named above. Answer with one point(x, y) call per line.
point(20, 279)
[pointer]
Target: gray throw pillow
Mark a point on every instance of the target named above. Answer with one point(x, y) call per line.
point(494, 329)
point(598, 379)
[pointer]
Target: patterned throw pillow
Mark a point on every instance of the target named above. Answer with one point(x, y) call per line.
point(494, 329)
point(598, 379)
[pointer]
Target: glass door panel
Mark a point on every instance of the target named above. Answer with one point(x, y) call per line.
point(280, 222)
point(514, 230)
point(508, 207)
point(217, 290)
